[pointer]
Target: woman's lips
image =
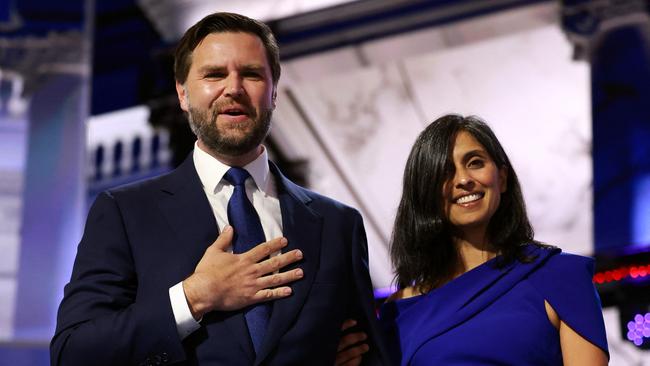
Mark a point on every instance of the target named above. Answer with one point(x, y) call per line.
point(468, 200)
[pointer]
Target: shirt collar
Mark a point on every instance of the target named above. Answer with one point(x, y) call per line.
point(211, 170)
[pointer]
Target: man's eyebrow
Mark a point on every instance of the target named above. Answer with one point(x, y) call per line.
point(252, 67)
point(216, 68)
point(211, 68)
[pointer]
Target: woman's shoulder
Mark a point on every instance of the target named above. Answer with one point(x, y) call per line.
point(552, 258)
point(565, 263)
point(563, 276)
point(404, 293)
point(558, 272)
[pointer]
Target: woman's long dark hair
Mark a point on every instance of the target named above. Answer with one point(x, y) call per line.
point(422, 247)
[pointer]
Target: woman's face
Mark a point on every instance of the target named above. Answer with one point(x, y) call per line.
point(473, 194)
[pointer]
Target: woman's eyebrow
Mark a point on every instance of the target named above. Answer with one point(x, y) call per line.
point(472, 153)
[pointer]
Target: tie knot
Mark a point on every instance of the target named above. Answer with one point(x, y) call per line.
point(236, 176)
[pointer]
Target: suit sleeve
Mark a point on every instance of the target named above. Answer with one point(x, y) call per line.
point(103, 319)
point(365, 298)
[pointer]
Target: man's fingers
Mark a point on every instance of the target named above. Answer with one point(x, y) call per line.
point(350, 339)
point(277, 279)
point(263, 250)
point(349, 323)
point(224, 239)
point(277, 262)
point(351, 356)
point(271, 294)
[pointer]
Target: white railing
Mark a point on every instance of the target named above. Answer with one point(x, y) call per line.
point(123, 147)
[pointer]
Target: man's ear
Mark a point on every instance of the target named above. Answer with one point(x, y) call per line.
point(274, 96)
point(503, 179)
point(181, 92)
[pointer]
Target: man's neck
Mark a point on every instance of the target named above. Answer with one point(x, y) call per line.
point(238, 160)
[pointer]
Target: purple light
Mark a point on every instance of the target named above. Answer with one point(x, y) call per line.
point(639, 329)
point(631, 335)
point(382, 293)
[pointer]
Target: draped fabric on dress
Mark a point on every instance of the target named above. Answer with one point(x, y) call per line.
point(496, 316)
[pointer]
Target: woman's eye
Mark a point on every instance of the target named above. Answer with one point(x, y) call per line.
point(476, 163)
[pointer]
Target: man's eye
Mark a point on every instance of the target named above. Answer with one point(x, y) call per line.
point(215, 75)
point(252, 75)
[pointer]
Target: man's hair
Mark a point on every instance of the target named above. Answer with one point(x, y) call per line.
point(223, 23)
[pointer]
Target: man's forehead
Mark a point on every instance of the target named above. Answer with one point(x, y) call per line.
point(213, 53)
point(213, 36)
point(215, 65)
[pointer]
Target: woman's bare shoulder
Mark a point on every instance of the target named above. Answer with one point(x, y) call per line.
point(404, 293)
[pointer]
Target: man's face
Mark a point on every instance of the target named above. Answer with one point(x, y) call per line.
point(229, 93)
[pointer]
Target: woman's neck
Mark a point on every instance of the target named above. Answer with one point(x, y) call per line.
point(473, 253)
point(473, 250)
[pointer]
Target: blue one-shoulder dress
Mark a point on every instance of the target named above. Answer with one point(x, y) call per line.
point(496, 316)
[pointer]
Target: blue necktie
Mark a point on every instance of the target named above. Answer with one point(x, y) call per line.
point(248, 234)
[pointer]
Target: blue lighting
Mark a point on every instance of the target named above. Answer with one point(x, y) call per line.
point(641, 212)
point(5, 11)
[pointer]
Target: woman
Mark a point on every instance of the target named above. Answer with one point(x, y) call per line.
point(474, 287)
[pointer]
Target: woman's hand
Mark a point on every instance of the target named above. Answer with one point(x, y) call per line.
point(351, 347)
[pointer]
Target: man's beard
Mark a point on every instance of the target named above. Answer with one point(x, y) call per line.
point(204, 125)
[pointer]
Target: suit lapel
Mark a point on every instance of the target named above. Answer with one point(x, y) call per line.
point(188, 212)
point(302, 227)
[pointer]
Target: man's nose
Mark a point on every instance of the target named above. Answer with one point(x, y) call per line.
point(234, 87)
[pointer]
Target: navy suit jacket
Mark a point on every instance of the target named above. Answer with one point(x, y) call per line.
point(142, 239)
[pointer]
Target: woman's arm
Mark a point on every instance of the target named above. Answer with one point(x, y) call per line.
point(575, 349)
point(578, 351)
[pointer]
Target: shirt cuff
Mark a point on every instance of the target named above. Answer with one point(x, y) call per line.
point(185, 323)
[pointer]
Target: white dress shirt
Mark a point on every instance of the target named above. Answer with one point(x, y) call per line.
point(262, 193)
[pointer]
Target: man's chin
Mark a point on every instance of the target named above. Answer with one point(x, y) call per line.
point(231, 145)
point(234, 136)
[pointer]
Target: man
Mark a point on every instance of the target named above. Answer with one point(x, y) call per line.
point(151, 285)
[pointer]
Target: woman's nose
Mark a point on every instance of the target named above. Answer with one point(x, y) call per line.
point(464, 181)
